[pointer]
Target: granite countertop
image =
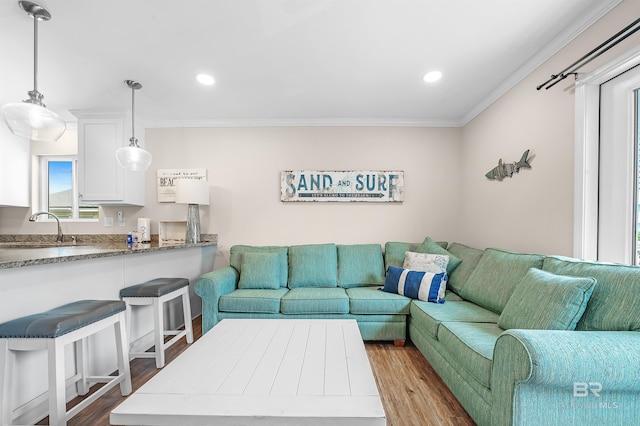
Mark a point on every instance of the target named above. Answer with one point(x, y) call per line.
point(28, 250)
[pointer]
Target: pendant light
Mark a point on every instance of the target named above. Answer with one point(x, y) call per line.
point(31, 119)
point(133, 157)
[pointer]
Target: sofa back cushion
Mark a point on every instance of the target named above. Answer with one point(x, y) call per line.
point(493, 280)
point(313, 265)
point(546, 301)
point(394, 252)
point(360, 265)
point(469, 257)
point(616, 296)
point(261, 270)
point(431, 247)
point(237, 253)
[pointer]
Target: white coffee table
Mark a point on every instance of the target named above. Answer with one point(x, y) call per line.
point(267, 372)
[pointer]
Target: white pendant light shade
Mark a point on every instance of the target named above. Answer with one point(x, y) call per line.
point(33, 121)
point(133, 158)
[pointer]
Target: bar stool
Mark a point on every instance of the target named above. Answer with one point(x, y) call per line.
point(156, 292)
point(51, 331)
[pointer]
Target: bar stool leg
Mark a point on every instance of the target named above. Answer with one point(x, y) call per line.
point(7, 363)
point(186, 308)
point(57, 397)
point(122, 348)
point(82, 386)
point(127, 319)
point(158, 316)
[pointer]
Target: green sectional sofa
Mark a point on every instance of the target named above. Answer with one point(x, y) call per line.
point(522, 339)
point(305, 281)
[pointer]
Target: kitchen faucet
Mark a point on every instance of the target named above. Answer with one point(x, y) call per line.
point(35, 216)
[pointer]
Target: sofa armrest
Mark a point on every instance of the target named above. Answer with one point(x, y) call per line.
point(210, 287)
point(566, 377)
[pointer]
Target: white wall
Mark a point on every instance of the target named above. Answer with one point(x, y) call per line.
point(244, 167)
point(532, 211)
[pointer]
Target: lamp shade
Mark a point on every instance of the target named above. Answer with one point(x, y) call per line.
point(192, 191)
point(32, 121)
point(133, 158)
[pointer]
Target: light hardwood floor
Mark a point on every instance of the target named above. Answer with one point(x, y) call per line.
point(411, 391)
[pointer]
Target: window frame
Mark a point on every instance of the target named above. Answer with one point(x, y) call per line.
point(43, 188)
point(587, 141)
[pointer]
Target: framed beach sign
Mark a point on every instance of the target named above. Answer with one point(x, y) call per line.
point(342, 186)
point(166, 179)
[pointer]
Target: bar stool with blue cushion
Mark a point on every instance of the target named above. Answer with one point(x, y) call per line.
point(156, 292)
point(51, 331)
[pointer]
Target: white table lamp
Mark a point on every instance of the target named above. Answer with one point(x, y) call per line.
point(194, 193)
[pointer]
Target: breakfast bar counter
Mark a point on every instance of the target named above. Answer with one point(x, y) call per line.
point(37, 275)
point(15, 253)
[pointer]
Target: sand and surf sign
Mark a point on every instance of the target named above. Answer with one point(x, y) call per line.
point(350, 186)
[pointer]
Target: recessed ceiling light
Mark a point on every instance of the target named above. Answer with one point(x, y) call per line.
point(205, 79)
point(432, 76)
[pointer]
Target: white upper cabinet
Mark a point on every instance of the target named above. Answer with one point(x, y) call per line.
point(101, 180)
point(14, 169)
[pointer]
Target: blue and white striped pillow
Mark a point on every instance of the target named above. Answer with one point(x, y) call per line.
point(426, 286)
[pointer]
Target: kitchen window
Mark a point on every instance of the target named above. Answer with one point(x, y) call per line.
point(59, 189)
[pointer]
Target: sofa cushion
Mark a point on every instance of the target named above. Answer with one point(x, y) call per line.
point(312, 300)
point(616, 296)
point(469, 257)
point(431, 315)
point(427, 262)
point(252, 301)
point(430, 246)
point(360, 265)
point(261, 270)
point(495, 277)
point(451, 296)
point(545, 301)
point(372, 301)
point(237, 253)
point(470, 345)
point(394, 252)
point(313, 265)
point(426, 286)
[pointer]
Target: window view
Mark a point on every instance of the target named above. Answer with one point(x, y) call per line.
point(60, 192)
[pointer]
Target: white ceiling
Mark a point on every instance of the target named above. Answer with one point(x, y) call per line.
point(285, 61)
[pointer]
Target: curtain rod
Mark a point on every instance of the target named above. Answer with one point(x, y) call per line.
point(574, 67)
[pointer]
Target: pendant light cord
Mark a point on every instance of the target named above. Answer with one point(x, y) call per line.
point(35, 54)
point(133, 140)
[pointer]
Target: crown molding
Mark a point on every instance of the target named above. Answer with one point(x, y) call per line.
point(542, 56)
point(320, 122)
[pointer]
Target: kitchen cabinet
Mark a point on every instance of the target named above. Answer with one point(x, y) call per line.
point(101, 180)
point(14, 169)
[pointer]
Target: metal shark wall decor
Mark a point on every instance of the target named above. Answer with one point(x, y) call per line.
point(503, 170)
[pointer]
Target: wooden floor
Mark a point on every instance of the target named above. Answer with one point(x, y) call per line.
point(411, 391)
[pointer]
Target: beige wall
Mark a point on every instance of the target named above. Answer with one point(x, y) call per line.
point(244, 167)
point(533, 211)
